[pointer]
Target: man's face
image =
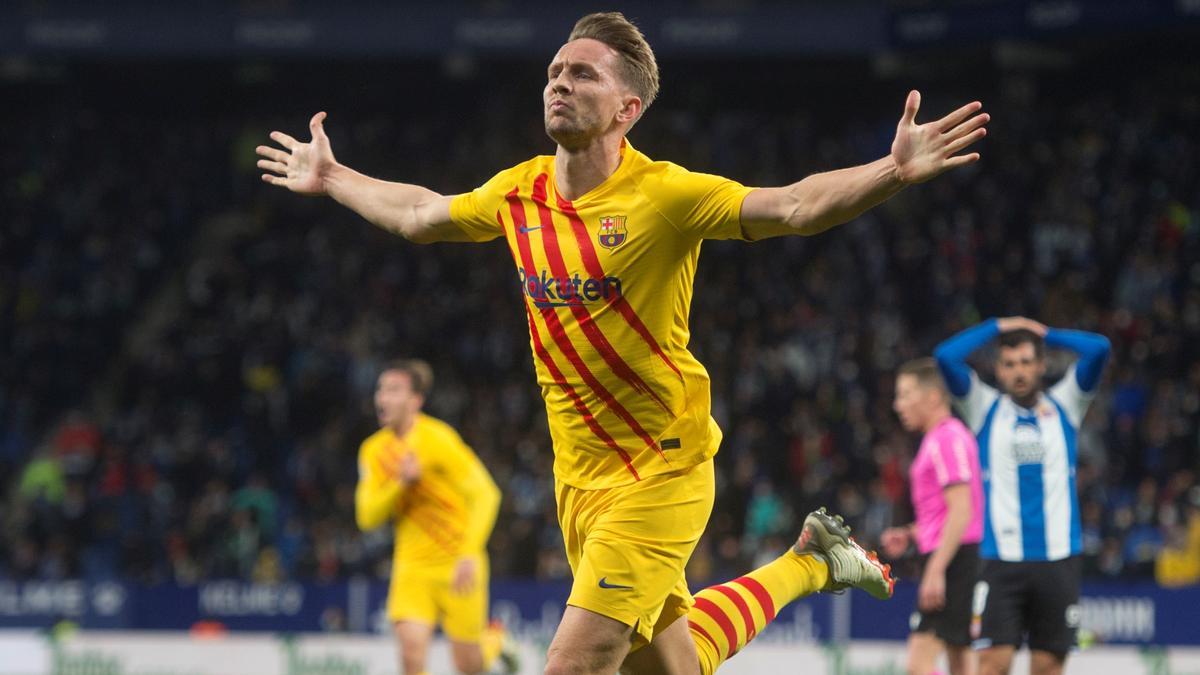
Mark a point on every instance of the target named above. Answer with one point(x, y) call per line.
point(584, 93)
point(395, 401)
point(914, 403)
point(1019, 370)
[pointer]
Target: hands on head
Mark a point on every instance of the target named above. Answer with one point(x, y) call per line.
point(925, 151)
point(303, 167)
point(1011, 323)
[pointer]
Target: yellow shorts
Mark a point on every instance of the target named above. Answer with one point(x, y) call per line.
point(425, 596)
point(628, 545)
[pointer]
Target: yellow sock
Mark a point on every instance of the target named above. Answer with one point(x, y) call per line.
point(490, 644)
point(729, 615)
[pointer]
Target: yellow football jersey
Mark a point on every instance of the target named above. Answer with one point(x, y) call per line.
point(447, 514)
point(607, 281)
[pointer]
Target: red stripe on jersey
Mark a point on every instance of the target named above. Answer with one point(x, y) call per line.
point(743, 609)
point(526, 258)
point(449, 530)
point(580, 406)
point(722, 620)
point(760, 593)
point(429, 525)
point(592, 264)
point(559, 268)
point(563, 341)
point(421, 489)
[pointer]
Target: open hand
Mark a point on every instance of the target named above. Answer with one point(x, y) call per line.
point(925, 151)
point(304, 166)
point(931, 594)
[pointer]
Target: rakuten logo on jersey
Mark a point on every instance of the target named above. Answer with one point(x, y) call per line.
point(551, 291)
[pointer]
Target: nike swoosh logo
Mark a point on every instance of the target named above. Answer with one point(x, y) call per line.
point(604, 584)
point(527, 230)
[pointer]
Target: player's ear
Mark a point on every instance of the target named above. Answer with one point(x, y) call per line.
point(631, 108)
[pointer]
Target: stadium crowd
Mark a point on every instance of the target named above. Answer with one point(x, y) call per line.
point(190, 358)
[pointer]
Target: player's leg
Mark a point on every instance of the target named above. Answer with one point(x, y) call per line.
point(923, 652)
point(727, 616)
point(996, 660)
point(672, 652)
point(627, 547)
point(475, 646)
point(999, 606)
point(952, 624)
point(412, 609)
point(587, 642)
point(1054, 615)
point(413, 639)
point(961, 660)
point(1046, 663)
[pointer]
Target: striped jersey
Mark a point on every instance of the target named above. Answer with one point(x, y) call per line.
point(607, 284)
point(1028, 458)
point(446, 514)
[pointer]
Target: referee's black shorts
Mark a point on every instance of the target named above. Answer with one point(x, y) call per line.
point(952, 623)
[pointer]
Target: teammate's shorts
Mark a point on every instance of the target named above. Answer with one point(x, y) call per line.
point(952, 623)
point(1036, 602)
point(426, 596)
point(628, 545)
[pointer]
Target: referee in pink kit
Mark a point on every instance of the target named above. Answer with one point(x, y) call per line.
point(947, 497)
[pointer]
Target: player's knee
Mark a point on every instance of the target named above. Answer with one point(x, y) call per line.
point(994, 663)
point(413, 666)
point(596, 658)
point(412, 657)
point(467, 661)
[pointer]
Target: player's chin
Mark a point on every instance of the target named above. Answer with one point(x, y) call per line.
point(563, 131)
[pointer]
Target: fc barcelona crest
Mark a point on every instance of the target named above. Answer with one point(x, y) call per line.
point(612, 231)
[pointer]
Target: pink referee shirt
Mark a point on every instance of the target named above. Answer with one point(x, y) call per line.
point(948, 455)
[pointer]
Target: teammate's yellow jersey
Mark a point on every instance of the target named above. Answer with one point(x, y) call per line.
point(607, 280)
point(445, 515)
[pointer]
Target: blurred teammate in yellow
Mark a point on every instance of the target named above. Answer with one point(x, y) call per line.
point(418, 472)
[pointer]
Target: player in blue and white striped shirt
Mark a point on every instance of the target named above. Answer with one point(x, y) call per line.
point(1028, 450)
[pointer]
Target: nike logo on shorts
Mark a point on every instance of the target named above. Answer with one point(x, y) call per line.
point(604, 584)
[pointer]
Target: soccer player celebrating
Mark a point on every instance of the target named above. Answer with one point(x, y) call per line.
point(417, 471)
point(1029, 582)
point(947, 498)
point(605, 242)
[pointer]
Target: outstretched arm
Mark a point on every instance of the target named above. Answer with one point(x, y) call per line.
point(1092, 348)
point(919, 152)
point(413, 212)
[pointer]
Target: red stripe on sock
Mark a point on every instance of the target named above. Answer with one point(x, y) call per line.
point(722, 620)
point(739, 602)
point(760, 593)
point(697, 628)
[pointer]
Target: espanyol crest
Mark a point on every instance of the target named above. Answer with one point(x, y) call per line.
point(612, 231)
